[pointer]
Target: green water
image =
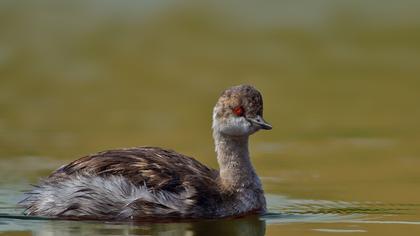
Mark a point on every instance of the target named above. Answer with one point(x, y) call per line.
point(340, 81)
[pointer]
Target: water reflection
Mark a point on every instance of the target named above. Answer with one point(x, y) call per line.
point(248, 226)
point(282, 210)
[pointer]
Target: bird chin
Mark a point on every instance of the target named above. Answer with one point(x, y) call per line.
point(235, 129)
point(235, 132)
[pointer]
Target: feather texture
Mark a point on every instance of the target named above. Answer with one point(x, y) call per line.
point(128, 183)
point(150, 182)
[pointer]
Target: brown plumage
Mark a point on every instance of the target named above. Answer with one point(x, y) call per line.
point(151, 182)
point(157, 168)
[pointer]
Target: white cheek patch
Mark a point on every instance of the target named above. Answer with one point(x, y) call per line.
point(235, 126)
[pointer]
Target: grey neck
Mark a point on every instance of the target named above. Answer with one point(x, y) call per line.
point(236, 170)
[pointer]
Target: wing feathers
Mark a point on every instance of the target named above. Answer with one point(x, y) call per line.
point(127, 183)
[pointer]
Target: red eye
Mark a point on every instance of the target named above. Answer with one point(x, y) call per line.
point(239, 111)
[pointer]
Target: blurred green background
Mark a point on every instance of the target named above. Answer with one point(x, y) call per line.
point(340, 81)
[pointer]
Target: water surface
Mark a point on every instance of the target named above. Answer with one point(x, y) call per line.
point(340, 82)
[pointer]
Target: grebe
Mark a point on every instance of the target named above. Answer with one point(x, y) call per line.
point(151, 182)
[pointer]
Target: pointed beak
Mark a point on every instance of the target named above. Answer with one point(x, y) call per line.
point(259, 121)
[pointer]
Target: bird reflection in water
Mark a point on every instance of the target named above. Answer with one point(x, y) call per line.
point(244, 226)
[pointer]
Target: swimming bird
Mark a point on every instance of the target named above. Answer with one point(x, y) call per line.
point(151, 182)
